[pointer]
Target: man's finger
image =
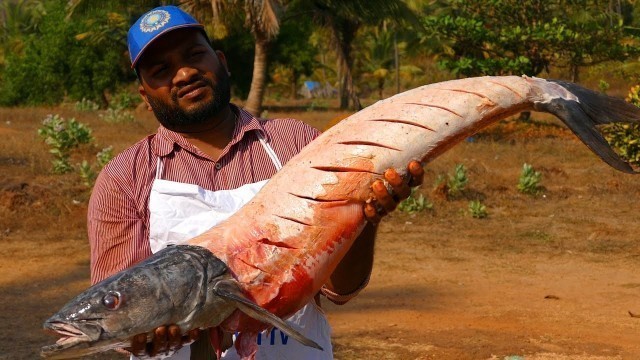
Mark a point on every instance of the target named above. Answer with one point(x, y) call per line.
point(371, 213)
point(401, 189)
point(417, 173)
point(139, 344)
point(392, 176)
point(194, 334)
point(382, 196)
point(160, 342)
point(175, 337)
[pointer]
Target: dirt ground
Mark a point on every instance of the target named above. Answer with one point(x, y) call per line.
point(553, 276)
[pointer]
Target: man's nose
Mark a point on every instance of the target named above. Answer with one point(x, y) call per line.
point(185, 75)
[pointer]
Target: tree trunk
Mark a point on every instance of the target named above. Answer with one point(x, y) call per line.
point(344, 92)
point(294, 85)
point(348, 91)
point(342, 35)
point(259, 79)
point(575, 73)
point(396, 61)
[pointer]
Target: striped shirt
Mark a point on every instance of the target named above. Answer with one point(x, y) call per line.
point(118, 214)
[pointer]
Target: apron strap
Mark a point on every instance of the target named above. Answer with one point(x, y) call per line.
point(263, 142)
point(159, 168)
point(270, 151)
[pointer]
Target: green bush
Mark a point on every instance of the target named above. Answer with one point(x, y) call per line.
point(53, 64)
point(116, 116)
point(104, 156)
point(88, 172)
point(529, 181)
point(86, 105)
point(455, 183)
point(63, 136)
point(415, 203)
point(625, 138)
point(124, 100)
point(477, 209)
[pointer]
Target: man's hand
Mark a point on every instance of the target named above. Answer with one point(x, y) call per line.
point(385, 200)
point(166, 339)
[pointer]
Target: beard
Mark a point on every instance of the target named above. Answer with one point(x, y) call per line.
point(173, 117)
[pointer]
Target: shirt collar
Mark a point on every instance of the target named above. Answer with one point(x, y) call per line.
point(165, 140)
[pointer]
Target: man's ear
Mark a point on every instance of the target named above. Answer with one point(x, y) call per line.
point(143, 94)
point(223, 60)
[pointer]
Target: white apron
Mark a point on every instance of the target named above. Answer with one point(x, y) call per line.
point(180, 211)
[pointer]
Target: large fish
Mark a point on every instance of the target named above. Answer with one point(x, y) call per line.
point(275, 253)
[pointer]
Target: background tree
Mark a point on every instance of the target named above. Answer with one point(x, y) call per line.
point(55, 65)
point(18, 19)
point(499, 37)
point(592, 37)
point(293, 51)
point(46, 57)
point(262, 18)
point(343, 19)
point(378, 55)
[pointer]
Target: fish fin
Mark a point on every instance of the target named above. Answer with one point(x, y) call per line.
point(230, 291)
point(590, 110)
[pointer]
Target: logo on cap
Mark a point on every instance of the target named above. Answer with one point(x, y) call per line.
point(154, 20)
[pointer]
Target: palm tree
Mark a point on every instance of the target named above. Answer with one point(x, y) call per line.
point(17, 19)
point(112, 29)
point(343, 19)
point(262, 18)
point(379, 55)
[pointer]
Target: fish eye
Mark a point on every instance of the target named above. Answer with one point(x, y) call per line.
point(112, 300)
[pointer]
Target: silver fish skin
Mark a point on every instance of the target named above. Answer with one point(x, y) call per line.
point(184, 285)
point(174, 286)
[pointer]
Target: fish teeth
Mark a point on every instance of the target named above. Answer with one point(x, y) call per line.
point(67, 330)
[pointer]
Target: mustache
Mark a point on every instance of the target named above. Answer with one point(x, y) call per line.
point(199, 79)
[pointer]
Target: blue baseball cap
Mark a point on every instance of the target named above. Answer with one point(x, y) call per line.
point(153, 24)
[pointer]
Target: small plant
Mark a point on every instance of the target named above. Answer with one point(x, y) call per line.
point(104, 156)
point(87, 172)
point(63, 136)
point(477, 209)
point(86, 105)
point(529, 181)
point(124, 100)
point(633, 96)
point(116, 116)
point(603, 86)
point(625, 138)
point(415, 203)
point(317, 104)
point(458, 181)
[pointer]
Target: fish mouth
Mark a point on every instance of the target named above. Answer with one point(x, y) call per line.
point(70, 335)
point(76, 339)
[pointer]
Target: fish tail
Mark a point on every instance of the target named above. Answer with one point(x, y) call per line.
point(583, 110)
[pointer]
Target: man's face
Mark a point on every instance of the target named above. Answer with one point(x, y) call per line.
point(183, 80)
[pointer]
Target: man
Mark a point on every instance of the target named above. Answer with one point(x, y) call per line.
point(208, 158)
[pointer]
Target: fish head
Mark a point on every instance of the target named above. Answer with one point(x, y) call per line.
point(183, 285)
point(173, 286)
